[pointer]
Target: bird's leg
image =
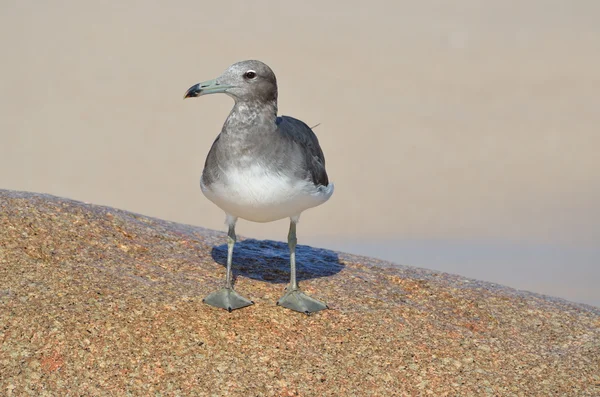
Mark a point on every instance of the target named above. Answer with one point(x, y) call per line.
point(292, 241)
point(294, 298)
point(227, 298)
point(231, 239)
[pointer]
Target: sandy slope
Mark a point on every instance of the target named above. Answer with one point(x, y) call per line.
point(99, 301)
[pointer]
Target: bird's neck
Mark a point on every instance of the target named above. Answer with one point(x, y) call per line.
point(250, 117)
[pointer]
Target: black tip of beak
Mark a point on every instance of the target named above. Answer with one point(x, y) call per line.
point(193, 92)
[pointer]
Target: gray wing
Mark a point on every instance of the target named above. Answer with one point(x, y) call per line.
point(298, 132)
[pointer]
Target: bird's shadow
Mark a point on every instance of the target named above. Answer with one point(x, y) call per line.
point(269, 260)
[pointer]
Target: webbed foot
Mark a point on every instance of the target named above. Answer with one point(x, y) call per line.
point(300, 302)
point(227, 299)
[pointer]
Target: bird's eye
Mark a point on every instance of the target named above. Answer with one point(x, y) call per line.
point(250, 74)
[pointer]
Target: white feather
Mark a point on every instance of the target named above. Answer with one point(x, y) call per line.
point(261, 195)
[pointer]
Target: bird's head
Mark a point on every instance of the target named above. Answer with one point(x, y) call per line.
point(245, 81)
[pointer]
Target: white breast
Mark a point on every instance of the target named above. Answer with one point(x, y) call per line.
point(261, 195)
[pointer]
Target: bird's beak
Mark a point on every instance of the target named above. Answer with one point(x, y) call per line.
point(205, 88)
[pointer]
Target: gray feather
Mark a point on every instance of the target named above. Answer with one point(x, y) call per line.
point(301, 135)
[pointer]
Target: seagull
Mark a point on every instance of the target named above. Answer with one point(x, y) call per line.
point(261, 168)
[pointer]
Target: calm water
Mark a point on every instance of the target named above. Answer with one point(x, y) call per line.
point(565, 272)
